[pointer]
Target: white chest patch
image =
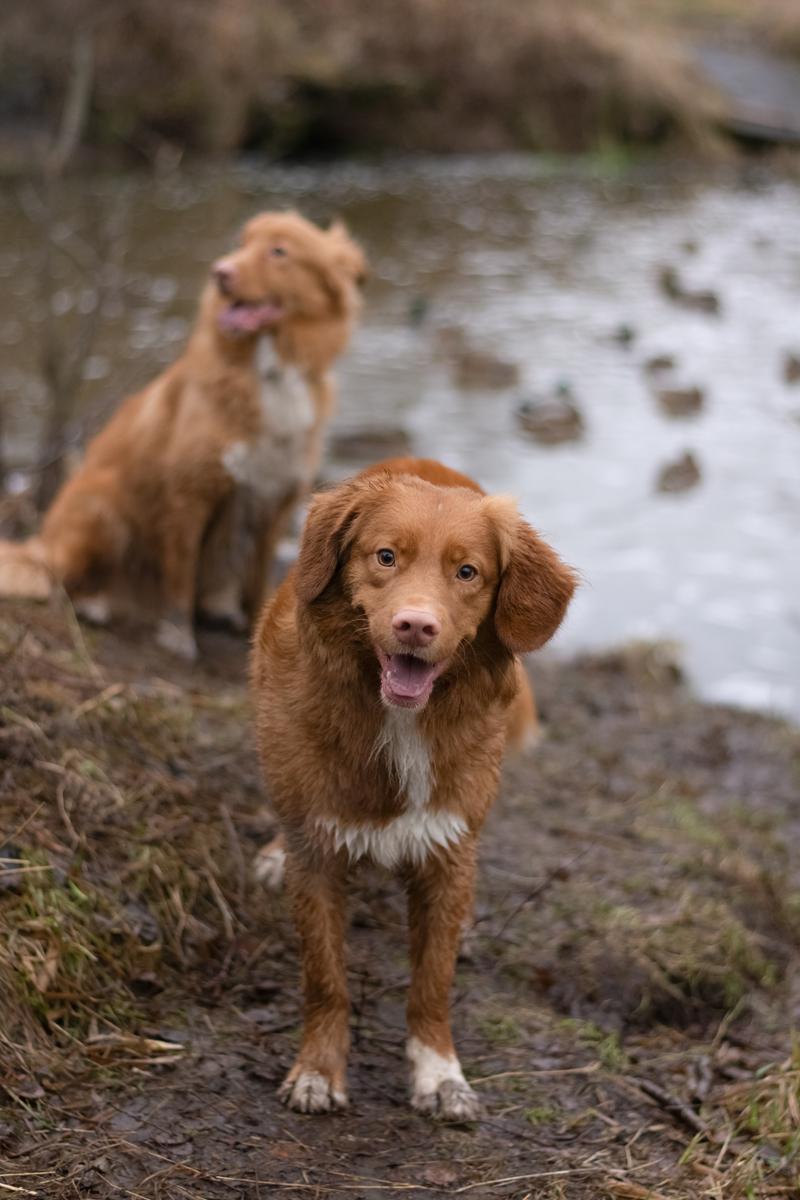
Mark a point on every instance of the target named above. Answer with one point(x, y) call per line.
point(275, 462)
point(417, 831)
point(407, 751)
point(408, 838)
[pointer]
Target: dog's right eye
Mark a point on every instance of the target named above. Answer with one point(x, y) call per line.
point(278, 252)
point(385, 558)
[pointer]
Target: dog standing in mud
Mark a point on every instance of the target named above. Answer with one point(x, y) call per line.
point(385, 671)
point(182, 498)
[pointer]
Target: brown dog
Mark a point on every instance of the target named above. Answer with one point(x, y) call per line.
point(384, 671)
point(522, 724)
point(186, 492)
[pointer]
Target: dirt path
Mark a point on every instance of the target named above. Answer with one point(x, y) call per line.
point(634, 947)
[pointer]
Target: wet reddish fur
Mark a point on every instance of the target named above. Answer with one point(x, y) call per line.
point(316, 682)
point(152, 502)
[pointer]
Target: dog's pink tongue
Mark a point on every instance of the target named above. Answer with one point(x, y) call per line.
point(248, 318)
point(409, 676)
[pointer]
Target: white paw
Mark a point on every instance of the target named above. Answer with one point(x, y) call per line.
point(311, 1091)
point(233, 617)
point(94, 609)
point(453, 1100)
point(438, 1085)
point(269, 867)
point(224, 606)
point(177, 639)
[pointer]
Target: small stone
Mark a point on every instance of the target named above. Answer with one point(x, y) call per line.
point(442, 1174)
point(29, 1088)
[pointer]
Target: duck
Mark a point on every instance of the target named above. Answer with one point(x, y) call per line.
point(473, 367)
point(703, 300)
point(679, 476)
point(552, 419)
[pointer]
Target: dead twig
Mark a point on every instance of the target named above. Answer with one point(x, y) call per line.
point(76, 107)
point(24, 825)
point(221, 902)
point(673, 1105)
point(107, 694)
point(554, 874)
point(77, 637)
point(236, 851)
point(65, 817)
point(588, 1070)
point(631, 1191)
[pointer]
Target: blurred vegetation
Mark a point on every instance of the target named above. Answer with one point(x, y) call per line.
point(331, 76)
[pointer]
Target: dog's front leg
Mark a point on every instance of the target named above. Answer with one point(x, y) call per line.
point(183, 529)
point(317, 1082)
point(439, 901)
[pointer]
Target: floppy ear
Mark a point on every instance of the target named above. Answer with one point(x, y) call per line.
point(348, 257)
point(326, 534)
point(535, 586)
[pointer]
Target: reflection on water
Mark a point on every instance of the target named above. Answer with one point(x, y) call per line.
point(541, 270)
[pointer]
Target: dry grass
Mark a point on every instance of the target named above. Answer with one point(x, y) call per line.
point(122, 866)
point(333, 75)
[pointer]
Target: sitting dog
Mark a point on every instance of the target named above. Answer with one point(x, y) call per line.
point(384, 671)
point(184, 495)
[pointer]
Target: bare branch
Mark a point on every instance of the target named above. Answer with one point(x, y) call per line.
point(76, 107)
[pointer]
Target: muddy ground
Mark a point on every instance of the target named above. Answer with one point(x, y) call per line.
point(624, 1003)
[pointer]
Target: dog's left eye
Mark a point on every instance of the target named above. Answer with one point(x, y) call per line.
point(466, 572)
point(385, 558)
point(278, 252)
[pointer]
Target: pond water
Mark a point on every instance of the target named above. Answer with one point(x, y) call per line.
point(540, 266)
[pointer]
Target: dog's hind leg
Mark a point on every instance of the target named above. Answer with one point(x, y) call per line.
point(24, 570)
point(439, 901)
point(94, 609)
point(84, 539)
point(269, 865)
point(317, 1082)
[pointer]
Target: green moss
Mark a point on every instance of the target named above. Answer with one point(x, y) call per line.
point(540, 1116)
point(502, 1030)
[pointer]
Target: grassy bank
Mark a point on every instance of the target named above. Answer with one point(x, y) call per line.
point(337, 76)
point(360, 76)
point(625, 1000)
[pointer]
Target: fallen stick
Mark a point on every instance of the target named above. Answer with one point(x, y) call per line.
point(631, 1191)
point(589, 1070)
point(672, 1105)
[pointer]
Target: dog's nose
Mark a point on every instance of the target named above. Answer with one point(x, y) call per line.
point(224, 274)
point(415, 628)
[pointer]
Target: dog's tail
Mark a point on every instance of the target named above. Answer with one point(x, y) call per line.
point(523, 731)
point(24, 570)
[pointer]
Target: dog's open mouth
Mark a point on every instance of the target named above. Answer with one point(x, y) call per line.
point(406, 680)
point(249, 318)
